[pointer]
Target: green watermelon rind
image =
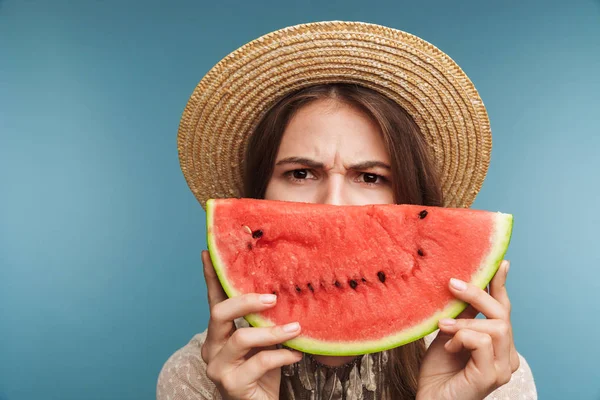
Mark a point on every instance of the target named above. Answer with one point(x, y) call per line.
point(500, 239)
point(214, 254)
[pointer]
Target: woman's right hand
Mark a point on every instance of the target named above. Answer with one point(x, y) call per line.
point(243, 363)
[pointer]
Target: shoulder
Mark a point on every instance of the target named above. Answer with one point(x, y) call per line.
point(520, 386)
point(183, 376)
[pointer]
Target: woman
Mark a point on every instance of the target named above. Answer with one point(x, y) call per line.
point(312, 121)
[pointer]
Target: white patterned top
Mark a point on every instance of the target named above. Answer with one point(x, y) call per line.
point(183, 377)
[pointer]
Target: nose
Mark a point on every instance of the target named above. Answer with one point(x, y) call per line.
point(333, 190)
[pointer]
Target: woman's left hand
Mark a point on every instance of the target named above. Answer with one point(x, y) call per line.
point(470, 358)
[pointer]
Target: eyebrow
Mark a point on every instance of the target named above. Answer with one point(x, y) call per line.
point(319, 165)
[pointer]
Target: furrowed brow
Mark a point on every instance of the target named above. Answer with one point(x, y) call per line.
point(307, 162)
point(369, 164)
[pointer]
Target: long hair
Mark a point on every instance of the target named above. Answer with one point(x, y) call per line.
point(415, 179)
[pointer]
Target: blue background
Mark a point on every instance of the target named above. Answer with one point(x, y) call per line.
point(100, 238)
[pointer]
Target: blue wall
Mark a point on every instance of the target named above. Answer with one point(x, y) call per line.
point(100, 238)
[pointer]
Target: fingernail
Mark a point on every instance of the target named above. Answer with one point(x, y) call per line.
point(267, 298)
point(293, 327)
point(447, 321)
point(507, 266)
point(297, 353)
point(458, 284)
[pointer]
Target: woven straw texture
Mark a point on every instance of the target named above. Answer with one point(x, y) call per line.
point(233, 96)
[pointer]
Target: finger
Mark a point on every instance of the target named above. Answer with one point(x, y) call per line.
point(478, 298)
point(499, 292)
point(214, 338)
point(224, 313)
point(245, 339)
point(498, 286)
point(499, 331)
point(482, 353)
point(213, 286)
point(265, 361)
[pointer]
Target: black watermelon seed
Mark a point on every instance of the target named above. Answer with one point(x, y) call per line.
point(337, 284)
point(257, 234)
point(420, 252)
point(249, 246)
point(275, 293)
point(310, 287)
point(381, 276)
point(298, 289)
point(363, 279)
point(353, 283)
point(423, 214)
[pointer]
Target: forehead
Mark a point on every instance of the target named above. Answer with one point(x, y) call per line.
point(326, 128)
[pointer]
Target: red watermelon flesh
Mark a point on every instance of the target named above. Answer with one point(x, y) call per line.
point(358, 278)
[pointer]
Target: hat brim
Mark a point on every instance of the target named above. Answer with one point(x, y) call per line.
point(233, 96)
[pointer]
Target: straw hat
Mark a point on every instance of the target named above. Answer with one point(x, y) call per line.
point(234, 95)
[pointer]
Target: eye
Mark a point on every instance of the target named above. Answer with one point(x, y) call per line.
point(299, 175)
point(371, 179)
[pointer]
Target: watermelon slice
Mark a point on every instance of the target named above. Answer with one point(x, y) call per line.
point(359, 279)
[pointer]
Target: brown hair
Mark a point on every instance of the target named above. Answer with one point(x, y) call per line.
point(415, 179)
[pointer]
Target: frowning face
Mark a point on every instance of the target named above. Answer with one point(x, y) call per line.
point(331, 153)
